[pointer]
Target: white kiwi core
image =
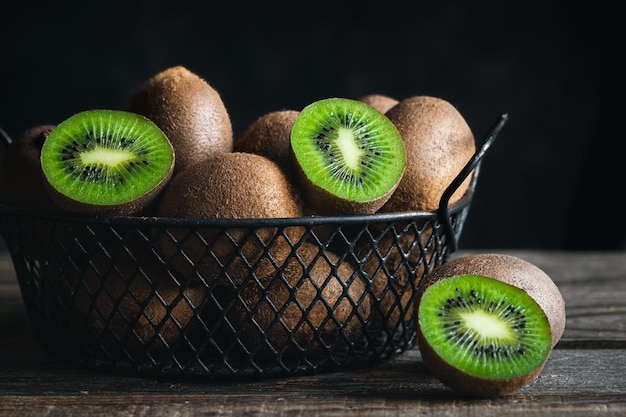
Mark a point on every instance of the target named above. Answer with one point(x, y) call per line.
point(110, 156)
point(347, 145)
point(485, 325)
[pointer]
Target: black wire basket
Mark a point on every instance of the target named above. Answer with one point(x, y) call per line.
point(229, 299)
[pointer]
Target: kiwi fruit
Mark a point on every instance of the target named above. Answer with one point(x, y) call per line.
point(349, 157)
point(190, 112)
point(380, 102)
point(123, 300)
point(235, 185)
point(487, 323)
point(106, 162)
point(402, 255)
point(303, 305)
point(438, 143)
point(21, 182)
point(517, 272)
point(270, 136)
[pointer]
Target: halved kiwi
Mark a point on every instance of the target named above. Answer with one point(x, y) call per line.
point(348, 155)
point(106, 162)
point(480, 335)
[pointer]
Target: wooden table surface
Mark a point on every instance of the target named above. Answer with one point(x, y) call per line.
point(585, 375)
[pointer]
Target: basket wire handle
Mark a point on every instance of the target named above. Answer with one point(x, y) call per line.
point(5, 139)
point(472, 164)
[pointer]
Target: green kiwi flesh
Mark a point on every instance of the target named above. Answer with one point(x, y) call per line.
point(482, 336)
point(106, 161)
point(350, 157)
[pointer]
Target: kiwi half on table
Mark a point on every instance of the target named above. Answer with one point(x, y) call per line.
point(487, 323)
point(106, 162)
point(349, 157)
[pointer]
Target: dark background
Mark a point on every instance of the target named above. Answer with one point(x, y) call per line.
point(552, 179)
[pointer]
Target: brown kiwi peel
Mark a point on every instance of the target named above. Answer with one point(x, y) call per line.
point(403, 261)
point(439, 143)
point(509, 270)
point(270, 136)
point(122, 299)
point(190, 112)
point(334, 298)
point(475, 386)
point(234, 185)
point(380, 102)
point(21, 181)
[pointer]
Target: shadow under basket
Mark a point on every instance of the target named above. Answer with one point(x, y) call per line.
point(230, 299)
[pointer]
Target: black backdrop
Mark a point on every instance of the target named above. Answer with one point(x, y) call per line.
point(552, 178)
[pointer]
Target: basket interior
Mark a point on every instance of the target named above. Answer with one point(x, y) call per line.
point(223, 299)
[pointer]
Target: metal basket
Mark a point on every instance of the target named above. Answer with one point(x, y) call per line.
point(229, 298)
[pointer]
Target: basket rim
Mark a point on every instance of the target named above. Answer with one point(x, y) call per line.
point(312, 220)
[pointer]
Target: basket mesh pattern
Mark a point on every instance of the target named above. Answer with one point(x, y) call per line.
point(225, 299)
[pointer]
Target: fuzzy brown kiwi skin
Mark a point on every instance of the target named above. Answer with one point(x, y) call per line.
point(274, 327)
point(190, 112)
point(234, 185)
point(270, 136)
point(380, 102)
point(395, 274)
point(125, 303)
point(439, 143)
point(514, 271)
point(21, 181)
point(471, 385)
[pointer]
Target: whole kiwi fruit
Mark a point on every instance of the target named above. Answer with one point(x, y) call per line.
point(189, 110)
point(270, 136)
point(123, 300)
point(235, 185)
point(380, 102)
point(439, 143)
point(488, 322)
point(21, 182)
point(309, 301)
point(402, 255)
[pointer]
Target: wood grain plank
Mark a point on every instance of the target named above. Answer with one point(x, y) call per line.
point(587, 382)
point(584, 376)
